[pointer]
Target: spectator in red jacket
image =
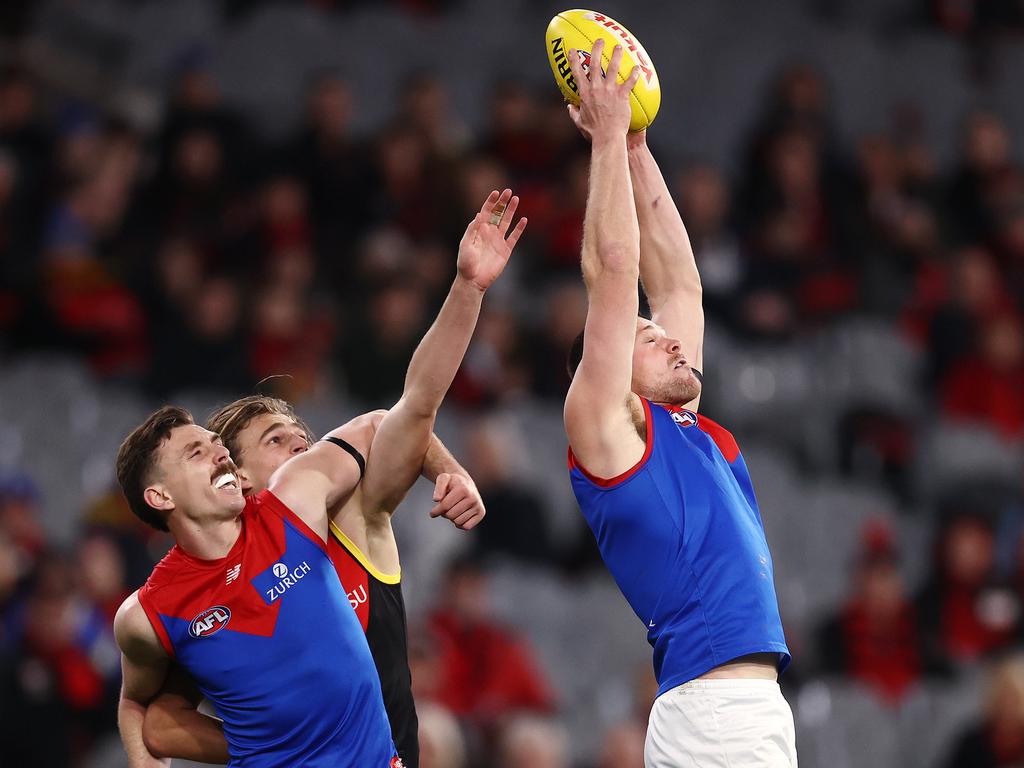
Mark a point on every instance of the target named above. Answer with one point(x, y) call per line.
point(989, 389)
point(486, 670)
point(874, 638)
point(965, 612)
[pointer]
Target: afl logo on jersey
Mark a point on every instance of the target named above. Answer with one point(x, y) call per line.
point(684, 418)
point(210, 621)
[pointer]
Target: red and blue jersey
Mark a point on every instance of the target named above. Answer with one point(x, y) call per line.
point(682, 536)
point(269, 636)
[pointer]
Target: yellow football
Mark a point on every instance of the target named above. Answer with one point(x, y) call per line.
point(578, 30)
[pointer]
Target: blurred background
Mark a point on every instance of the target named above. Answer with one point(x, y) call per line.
point(197, 194)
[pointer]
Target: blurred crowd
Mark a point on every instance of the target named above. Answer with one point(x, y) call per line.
point(202, 256)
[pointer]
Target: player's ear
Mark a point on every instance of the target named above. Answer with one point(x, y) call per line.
point(158, 497)
point(244, 481)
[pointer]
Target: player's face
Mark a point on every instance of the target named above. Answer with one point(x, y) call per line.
point(661, 372)
point(267, 442)
point(196, 476)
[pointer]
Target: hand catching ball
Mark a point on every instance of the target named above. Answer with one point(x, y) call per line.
point(578, 30)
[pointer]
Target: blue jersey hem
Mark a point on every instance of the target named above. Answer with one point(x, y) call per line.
point(674, 681)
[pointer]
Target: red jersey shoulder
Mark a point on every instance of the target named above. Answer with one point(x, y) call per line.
point(166, 571)
point(723, 438)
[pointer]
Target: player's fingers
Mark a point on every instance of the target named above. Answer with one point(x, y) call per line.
point(461, 508)
point(631, 80)
point(465, 517)
point(472, 522)
point(614, 63)
point(441, 485)
point(596, 60)
point(516, 233)
point(498, 209)
point(488, 205)
point(510, 212)
point(576, 67)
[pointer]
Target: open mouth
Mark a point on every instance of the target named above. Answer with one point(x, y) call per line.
point(226, 480)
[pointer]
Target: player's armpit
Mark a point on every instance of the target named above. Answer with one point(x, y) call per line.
point(609, 445)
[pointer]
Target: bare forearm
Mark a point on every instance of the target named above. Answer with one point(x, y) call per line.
point(610, 230)
point(439, 354)
point(668, 264)
point(130, 718)
point(187, 735)
point(439, 460)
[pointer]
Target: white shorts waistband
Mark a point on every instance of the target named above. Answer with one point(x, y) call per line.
point(727, 684)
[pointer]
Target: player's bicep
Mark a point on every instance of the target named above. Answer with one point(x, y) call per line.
point(598, 417)
point(312, 482)
point(396, 457)
point(143, 660)
point(605, 371)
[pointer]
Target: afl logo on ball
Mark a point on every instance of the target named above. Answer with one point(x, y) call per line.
point(210, 621)
point(685, 418)
point(584, 57)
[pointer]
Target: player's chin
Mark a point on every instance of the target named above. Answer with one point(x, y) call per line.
point(232, 502)
point(685, 387)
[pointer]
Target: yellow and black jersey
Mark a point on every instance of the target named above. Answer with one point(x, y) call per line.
point(377, 599)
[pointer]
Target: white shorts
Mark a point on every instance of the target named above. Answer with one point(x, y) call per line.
point(734, 723)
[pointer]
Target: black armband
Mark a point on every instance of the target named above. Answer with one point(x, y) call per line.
point(351, 451)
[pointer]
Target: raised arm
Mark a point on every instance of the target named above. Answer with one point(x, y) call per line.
point(401, 441)
point(143, 669)
point(598, 414)
point(457, 497)
point(313, 482)
point(668, 269)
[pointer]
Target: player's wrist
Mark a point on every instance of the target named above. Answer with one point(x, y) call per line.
point(636, 143)
point(599, 139)
point(468, 286)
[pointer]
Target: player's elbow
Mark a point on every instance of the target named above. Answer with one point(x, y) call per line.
point(619, 258)
point(612, 262)
point(419, 403)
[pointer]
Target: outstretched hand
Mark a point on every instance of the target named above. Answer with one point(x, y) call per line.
point(604, 108)
point(485, 249)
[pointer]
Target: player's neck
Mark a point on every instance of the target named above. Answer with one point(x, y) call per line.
point(207, 539)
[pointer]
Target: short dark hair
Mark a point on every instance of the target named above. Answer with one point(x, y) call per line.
point(575, 355)
point(228, 421)
point(136, 459)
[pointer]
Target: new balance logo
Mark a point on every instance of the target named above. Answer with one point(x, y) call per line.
point(233, 572)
